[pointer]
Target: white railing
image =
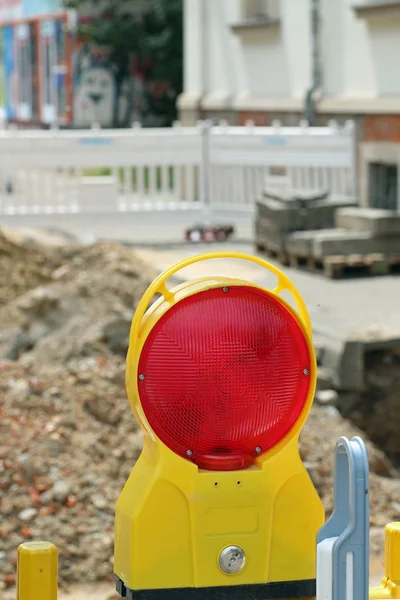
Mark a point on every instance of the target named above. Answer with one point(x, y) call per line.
point(179, 168)
point(245, 160)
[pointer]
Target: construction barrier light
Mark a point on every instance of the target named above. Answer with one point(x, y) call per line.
point(221, 375)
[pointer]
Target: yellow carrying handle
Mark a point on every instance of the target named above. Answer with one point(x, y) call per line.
point(158, 286)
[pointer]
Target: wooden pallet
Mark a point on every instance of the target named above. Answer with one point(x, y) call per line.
point(335, 267)
point(272, 251)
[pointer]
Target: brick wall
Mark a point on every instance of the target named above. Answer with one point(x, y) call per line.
point(260, 118)
point(385, 128)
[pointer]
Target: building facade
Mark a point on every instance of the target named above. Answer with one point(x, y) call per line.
point(254, 59)
point(262, 60)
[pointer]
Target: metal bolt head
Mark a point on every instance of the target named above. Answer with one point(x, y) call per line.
point(258, 450)
point(142, 377)
point(232, 560)
point(225, 290)
point(305, 371)
point(189, 453)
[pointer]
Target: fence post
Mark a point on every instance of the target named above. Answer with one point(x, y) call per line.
point(37, 571)
point(205, 192)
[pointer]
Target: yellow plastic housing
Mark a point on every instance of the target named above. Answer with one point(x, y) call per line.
point(173, 520)
point(37, 571)
point(390, 584)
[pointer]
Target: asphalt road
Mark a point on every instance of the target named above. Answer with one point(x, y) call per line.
point(148, 228)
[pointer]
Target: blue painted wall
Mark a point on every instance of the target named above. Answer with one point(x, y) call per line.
point(20, 9)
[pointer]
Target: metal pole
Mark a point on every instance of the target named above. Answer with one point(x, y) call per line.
point(309, 110)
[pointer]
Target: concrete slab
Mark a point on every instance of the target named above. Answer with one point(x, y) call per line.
point(371, 220)
point(274, 215)
point(321, 215)
point(296, 196)
point(300, 243)
point(297, 215)
point(328, 243)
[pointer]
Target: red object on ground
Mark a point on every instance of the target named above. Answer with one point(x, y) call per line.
point(224, 375)
point(212, 233)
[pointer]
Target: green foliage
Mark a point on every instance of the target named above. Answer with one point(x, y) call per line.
point(152, 40)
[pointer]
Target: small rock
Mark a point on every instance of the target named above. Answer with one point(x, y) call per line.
point(27, 468)
point(28, 514)
point(326, 397)
point(99, 501)
point(19, 390)
point(61, 490)
point(39, 301)
point(46, 497)
point(60, 272)
point(21, 343)
point(116, 334)
point(332, 413)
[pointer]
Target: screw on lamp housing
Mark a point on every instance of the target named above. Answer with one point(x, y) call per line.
point(232, 560)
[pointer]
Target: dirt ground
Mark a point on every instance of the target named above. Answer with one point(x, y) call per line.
point(68, 440)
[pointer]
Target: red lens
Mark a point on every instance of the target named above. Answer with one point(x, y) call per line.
point(224, 375)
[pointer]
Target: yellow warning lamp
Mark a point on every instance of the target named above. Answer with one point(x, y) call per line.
point(221, 375)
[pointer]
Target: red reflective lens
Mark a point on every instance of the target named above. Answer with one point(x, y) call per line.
point(224, 375)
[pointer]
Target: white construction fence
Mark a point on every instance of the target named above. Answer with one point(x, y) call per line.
point(202, 167)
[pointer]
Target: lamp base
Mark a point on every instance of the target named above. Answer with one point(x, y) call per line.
point(259, 591)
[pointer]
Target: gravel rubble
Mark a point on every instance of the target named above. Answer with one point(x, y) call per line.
point(68, 440)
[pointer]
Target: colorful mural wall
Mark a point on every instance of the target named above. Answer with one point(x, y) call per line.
point(96, 97)
point(48, 75)
point(36, 49)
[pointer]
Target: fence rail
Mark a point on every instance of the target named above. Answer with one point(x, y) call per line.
point(168, 169)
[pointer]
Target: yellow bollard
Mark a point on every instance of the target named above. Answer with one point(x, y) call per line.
point(37, 571)
point(390, 584)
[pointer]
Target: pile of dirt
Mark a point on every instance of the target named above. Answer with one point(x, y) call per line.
point(69, 442)
point(23, 267)
point(81, 305)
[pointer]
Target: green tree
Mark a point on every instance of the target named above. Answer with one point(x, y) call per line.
point(151, 41)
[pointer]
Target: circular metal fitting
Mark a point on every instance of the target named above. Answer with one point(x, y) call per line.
point(142, 377)
point(305, 371)
point(189, 453)
point(225, 290)
point(258, 450)
point(232, 559)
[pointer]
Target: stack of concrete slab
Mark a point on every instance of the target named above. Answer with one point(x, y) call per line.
point(361, 231)
point(278, 216)
point(378, 223)
point(362, 238)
